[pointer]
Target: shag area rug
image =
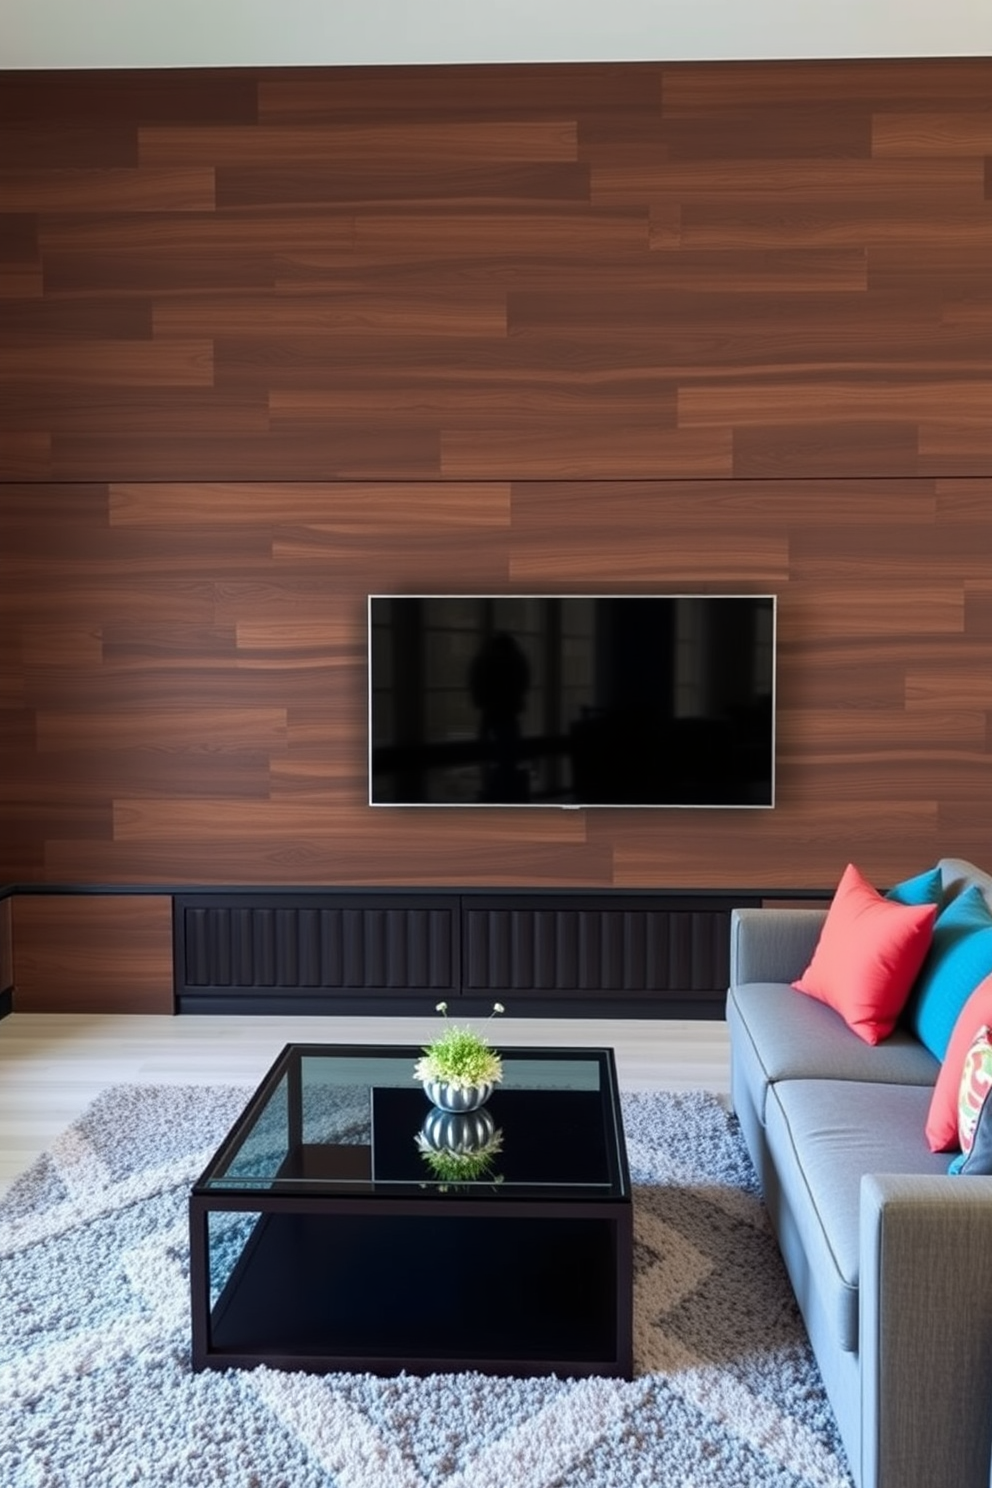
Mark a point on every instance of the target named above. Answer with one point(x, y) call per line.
point(96, 1389)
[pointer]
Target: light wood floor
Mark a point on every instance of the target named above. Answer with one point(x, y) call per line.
point(52, 1065)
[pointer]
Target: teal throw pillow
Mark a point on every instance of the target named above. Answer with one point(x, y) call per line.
point(960, 956)
point(925, 888)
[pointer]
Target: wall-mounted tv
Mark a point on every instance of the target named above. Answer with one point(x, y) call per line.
point(572, 700)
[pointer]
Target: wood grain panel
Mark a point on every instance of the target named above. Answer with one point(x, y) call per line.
point(696, 89)
point(87, 320)
point(553, 451)
point(783, 226)
point(90, 146)
point(882, 841)
point(369, 449)
point(963, 400)
point(370, 94)
point(818, 182)
point(944, 135)
point(961, 501)
point(21, 281)
point(954, 446)
point(698, 271)
point(60, 646)
point(355, 185)
point(321, 316)
point(964, 681)
point(480, 391)
point(838, 130)
point(598, 534)
point(88, 777)
point(274, 340)
point(95, 953)
point(190, 673)
point(162, 365)
point(113, 189)
point(860, 612)
point(855, 732)
point(190, 415)
point(299, 145)
point(26, 456)
point(784, 452)
point(498, 272)
point(500, 245)
point(428, 859)
point(213, 729)
point(118, 97)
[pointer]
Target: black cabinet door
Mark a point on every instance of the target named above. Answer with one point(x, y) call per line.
point(600, 948)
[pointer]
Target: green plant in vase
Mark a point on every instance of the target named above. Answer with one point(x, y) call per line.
point(451, 1165)
point(459, 1068)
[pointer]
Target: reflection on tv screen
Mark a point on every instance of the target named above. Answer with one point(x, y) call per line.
point(577, 700)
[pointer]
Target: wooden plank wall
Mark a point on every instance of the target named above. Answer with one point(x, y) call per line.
point(274, 340)
point(93, 953)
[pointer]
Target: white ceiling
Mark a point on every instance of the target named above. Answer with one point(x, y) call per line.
point(242, 33)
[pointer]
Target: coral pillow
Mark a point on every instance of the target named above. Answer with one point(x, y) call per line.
point(942, 1118)
point(867, 957)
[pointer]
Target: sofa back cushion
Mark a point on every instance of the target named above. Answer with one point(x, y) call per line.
point(958, 874)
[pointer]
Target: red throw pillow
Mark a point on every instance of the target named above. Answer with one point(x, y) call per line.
point(942, 1118)
point(867, 957)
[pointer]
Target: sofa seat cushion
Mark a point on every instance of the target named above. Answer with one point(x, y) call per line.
point(778, 1034)
point(823, 1135)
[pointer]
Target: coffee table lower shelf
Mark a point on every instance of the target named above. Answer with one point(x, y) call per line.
point(501, 1290)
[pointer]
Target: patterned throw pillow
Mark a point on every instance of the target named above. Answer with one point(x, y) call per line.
point(976, 1082)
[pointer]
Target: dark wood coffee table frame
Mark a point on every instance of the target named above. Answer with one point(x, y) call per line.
point(410, 1280)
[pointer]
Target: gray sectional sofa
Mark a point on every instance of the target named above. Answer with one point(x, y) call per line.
point(890, 1258)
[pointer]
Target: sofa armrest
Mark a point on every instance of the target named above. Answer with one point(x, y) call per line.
point(925, 1331)
point(772, 945)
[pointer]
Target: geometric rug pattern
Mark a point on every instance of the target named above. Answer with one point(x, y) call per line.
point(96, 1389)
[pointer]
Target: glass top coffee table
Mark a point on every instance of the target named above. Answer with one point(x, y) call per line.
point(330, 1231)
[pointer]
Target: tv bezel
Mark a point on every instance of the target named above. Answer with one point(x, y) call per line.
point(579, 805)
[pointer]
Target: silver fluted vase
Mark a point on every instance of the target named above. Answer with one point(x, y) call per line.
point(461, 1132)
point(457, 1098)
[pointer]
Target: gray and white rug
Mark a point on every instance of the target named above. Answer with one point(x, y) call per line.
point(96, 1389)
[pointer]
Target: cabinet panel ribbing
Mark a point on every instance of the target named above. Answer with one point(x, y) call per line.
point(593, 949)
point(633, 954)
point(314, 945)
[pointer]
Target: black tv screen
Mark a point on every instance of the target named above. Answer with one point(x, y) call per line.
point(572, 700)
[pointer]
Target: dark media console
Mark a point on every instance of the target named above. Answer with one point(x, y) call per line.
point(580, 953)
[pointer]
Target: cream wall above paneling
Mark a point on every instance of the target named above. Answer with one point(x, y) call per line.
point(246, 33)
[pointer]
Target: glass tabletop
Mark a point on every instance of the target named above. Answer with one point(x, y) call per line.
point(340, 1119)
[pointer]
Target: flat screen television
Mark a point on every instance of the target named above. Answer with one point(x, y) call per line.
point(572, 700)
